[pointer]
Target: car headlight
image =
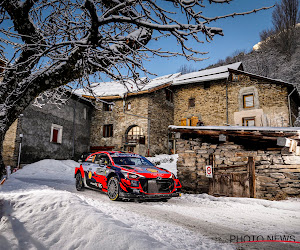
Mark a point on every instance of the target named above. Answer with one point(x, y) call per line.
point(130, 175)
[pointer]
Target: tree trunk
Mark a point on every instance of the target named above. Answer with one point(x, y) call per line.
point(2, 167)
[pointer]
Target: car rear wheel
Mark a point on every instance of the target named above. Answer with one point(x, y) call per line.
point(79, 182)
point(113, 189)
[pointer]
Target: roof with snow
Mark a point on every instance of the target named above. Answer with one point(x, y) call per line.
point(119, 89)
point(207, 74)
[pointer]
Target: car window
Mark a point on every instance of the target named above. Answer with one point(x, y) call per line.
point(91, 159)
point(131, 161)
point(102, 159)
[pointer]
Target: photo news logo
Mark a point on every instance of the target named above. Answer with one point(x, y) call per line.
point(260, 238)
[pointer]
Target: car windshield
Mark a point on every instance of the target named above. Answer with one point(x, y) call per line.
point(135, 161)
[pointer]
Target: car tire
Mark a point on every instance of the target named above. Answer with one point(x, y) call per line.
point(79, 182)
point(113, 189)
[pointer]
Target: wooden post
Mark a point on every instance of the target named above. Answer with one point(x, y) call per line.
point(211, 161)
point(251, 170)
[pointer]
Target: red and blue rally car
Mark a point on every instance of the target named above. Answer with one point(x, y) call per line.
point(126, 176)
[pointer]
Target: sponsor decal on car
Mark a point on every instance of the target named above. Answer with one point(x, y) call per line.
point(90, 175)
point(152, 170)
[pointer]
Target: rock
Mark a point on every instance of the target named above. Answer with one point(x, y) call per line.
point(277, 175)
point(291, 160)
point(293, 191)
point(265, 162)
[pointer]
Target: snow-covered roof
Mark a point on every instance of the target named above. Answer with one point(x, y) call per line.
point(117, 88)
point(207, 74)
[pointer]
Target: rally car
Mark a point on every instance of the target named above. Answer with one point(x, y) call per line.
point(126, 176)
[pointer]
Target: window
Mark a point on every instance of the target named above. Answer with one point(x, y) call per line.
point(249, 121)
point(107, 107)
point(108, 130)
point(235, 77)
point(169, 95)
point(56, 133)
point(128, 106)
point(248, 101)
point(191, 102)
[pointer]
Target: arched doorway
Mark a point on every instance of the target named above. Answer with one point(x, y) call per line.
point(134, 136)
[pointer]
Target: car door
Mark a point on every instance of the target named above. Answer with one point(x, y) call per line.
point(97, 172)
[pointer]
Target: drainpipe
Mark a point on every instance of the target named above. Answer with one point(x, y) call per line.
point(20, 149)
point(290, 111)
point(227, 115)
point(143, 117)
point(74, 127)
point(21, 139)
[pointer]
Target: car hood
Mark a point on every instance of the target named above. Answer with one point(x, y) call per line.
point(152, 170)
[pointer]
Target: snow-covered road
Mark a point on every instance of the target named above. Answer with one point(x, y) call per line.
point(41, 209)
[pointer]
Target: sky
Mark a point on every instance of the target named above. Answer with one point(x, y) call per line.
point(240, 33)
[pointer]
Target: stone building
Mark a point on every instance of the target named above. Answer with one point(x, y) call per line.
point(239, 161)
point(49, 132)
point(132, 117)
point(229, 96)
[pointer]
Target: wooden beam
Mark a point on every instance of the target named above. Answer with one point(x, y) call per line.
point(251, 169)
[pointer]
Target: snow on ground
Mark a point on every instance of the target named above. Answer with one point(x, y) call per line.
point(41, 209)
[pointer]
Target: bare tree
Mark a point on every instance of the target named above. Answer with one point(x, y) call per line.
point(185, 69)
point(56, 42)
point(284, 18)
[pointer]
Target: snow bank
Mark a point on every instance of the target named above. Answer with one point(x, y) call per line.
point(51, 219)
point(38, 213)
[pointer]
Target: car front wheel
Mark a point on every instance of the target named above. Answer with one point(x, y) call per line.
point(113, 189)
point(79, 182)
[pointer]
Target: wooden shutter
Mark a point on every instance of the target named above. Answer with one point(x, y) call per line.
point(194, 120)
point(54, 135)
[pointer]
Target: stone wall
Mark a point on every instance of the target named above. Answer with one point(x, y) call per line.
point(121, 122)
point(277, 171)
point(210, 102)
point(152, 105)
point(161, 113)
point(10, 146)
point(36, 123)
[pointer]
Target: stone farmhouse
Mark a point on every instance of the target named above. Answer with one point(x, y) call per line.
point(135, 117)
point(136, 120)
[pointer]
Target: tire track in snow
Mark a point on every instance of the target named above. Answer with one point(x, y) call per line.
point(167, 227)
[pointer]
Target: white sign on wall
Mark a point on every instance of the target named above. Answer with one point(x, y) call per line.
point(209, 171)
